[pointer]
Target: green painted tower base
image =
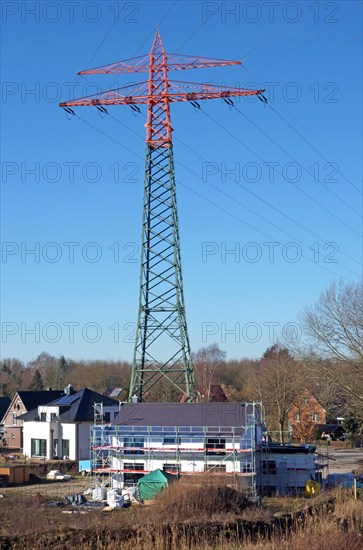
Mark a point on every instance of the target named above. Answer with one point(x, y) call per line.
point(162, 366)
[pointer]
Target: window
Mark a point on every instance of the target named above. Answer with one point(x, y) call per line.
point(247, 467)
point(171, 441)
point(52, 417)
point(131, 445)
point(315, 417)
point(214, 446)
point(132, 477)
point(297, 417)
point(306, 401)
point(107, 417)
point(43, 417)
point(14, 419)
point(171, 468)
point(65, 448)
point(268, 467)
point(55, 448)
point(39, 448)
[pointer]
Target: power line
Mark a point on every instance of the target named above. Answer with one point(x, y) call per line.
point(106, 36)
point(270, 36)
point(294, 159)
point(261, 158)
point(264, 202)
point(310, 144)
point(152, 32)
point(300, 135)
point(215, 204)
point(327, 27)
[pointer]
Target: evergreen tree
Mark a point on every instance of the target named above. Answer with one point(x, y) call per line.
point(37, 381)
point(63, 365)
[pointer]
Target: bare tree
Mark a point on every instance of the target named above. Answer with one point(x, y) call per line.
point(12, 376)
point(207, 362)
point(335, 323)
point(278, 382)
point(238, 378)
point(334, 327)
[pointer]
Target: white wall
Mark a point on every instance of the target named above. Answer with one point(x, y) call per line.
point(188, 466)
point(84, 443)
point(35, 430)
point(48, 410)
point(78, 449)
point(68, 431)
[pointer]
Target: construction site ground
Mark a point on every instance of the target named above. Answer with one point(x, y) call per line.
point(342, 460)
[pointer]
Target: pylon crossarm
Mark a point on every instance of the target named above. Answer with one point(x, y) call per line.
point(175, 62)
point(139, 64)
point(178, 92)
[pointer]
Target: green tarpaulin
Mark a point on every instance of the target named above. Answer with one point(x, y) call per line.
point(151, 484)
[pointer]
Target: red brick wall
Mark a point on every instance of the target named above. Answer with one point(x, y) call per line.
point(14, 432)
point(304, 415)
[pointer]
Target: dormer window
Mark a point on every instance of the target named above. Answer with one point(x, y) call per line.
point(43, 417)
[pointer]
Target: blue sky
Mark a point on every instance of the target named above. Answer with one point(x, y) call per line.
point(269, 197)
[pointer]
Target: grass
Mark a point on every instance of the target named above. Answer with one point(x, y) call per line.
point(191, 515)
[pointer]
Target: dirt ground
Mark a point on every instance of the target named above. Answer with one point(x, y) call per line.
point(49, 489)
point(342, 461)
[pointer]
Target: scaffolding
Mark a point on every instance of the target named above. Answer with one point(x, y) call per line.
point(98, 413)
point(125, 453)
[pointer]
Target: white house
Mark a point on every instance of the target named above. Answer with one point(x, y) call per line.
point(199, 438)
point(186, 438)
point(61, 428)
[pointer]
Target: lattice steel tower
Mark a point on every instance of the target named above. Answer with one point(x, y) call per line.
point(162, 348)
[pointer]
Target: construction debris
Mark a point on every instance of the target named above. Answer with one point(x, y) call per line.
point(75, 499)
point(56, 475)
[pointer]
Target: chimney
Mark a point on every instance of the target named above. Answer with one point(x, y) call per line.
point(68, 390)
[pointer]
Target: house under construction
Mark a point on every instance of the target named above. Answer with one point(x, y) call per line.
point(199, 438)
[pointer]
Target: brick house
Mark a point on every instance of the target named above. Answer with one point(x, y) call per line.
point(304, 415)
point(21, 403)
point(216, 395)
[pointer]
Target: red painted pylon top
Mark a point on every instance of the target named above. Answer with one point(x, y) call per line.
point(159, 91)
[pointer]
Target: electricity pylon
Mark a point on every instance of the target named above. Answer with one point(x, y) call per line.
point(162, 348)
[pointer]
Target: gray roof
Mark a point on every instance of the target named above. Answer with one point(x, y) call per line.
point(34, 398)
point(77, 407)
point(184, 414)
point(4, 405)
